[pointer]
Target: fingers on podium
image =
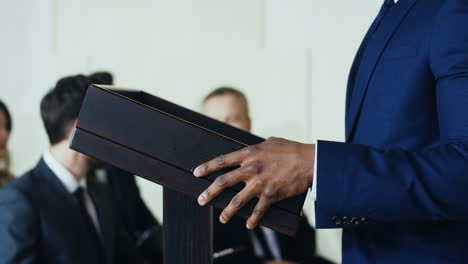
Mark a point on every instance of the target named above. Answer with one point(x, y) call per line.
point(260, 209)
point(220, 162)
point(236, 204)
point(222, 182)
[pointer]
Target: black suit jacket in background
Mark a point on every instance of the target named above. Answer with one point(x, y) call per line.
point(232, 235)
point(137, 220)
point(300, 249)
point(40, 222)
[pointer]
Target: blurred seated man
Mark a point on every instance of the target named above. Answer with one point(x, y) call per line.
point(229, 105)
point(136, 218)
point(53, 214)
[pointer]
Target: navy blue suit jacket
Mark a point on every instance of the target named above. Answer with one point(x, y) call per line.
point(399, 185)
point(40, 222)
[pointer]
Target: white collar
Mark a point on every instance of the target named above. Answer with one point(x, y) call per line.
point(65, 176)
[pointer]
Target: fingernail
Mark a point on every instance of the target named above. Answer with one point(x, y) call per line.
point(201, 199)
point(248, 226)
point(197, 172)
point(221, 219)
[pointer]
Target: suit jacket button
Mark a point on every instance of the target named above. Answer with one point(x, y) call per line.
point(336, 220)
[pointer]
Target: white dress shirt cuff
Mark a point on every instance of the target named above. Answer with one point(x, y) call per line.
point(314, 181)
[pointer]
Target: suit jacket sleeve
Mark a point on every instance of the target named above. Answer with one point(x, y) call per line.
point(396, 185)
point(18, 233)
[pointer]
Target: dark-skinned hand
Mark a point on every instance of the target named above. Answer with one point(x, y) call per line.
point(272, 171)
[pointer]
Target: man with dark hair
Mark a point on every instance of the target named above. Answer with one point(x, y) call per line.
point(102, 77)
point(60, 106)
point(229, 105)
point(53, 214)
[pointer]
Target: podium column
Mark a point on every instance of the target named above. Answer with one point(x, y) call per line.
point(187, 230)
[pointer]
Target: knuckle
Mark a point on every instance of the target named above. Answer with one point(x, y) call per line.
point(277, 141)
point(272, 139)
point(221, 161)
point(248, 151)
point(237, 202)
point(220, 181)
point(257, 212)
point(260, 182)
point(255, 168)
point(252, 149)
point(270, 195)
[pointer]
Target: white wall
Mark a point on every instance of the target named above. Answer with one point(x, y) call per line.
point(291, 58)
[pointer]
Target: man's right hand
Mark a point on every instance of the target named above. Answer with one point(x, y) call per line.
point(272, 171)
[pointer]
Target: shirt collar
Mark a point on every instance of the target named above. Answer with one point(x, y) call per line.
point(64, 175)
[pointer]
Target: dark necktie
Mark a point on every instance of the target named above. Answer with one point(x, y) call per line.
point(89, 225)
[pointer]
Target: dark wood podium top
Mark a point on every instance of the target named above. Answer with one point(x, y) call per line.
point(164, 142)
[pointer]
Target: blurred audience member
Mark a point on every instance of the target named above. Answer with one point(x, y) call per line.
point(5, 129)
point(52, 214)
point(136, 218)
point(102, 77)
point(230, 106)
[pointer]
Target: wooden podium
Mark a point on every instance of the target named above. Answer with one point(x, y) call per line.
point(163, 142)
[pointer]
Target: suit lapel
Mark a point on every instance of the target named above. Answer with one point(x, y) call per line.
point(355, 66)
point(62, 213)
point(370, 55)
point(55, 195)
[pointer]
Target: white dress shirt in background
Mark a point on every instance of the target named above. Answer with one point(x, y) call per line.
point(71, 184)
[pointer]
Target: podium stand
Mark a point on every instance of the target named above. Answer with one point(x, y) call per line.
point(187, 230)
point(163, 142)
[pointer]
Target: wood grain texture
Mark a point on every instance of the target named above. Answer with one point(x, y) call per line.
point(188, 230)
